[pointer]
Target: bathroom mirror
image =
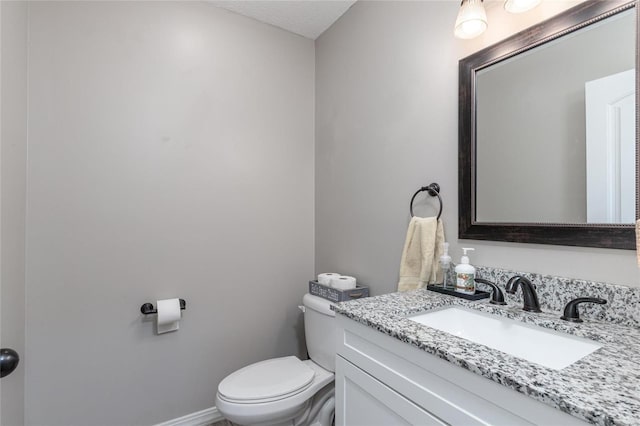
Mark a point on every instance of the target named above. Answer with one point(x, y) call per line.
point(548, 135)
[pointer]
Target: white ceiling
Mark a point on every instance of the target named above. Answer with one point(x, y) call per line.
point(308, 18)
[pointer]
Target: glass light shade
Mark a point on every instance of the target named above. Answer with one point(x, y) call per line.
point(472, 19)
point(519, 6)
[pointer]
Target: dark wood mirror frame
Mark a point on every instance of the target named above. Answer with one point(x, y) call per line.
point(619, 236)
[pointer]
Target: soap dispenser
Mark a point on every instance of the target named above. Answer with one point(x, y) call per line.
point(445, 264)
point(465, 274)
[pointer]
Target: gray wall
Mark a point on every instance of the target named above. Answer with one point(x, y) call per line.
point(13, 149)
point(531, 148)
point(170, 155)
point(386, 124)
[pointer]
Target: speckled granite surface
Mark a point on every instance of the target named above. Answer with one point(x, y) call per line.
point(603, 388)
point(623, 303)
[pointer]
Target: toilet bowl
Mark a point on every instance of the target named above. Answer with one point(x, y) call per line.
point(287, 391)
point(284, 402)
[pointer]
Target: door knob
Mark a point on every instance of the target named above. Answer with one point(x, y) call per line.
point(9, 360)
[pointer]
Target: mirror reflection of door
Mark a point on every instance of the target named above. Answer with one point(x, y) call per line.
point(530, 126)
point(610, 138)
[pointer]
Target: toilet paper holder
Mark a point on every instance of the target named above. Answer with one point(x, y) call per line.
point(148, 308)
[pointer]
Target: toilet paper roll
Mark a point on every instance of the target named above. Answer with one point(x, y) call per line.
point(327, 277)
point(168, 315)
point(343, 282)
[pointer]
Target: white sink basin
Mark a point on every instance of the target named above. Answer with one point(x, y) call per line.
point(539, 345)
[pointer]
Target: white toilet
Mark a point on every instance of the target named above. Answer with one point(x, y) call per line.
point(287, 391)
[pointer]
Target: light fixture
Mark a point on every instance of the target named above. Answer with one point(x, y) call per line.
point(472, 19)
point(519, 6)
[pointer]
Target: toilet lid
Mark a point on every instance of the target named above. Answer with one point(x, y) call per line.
point(268, 379)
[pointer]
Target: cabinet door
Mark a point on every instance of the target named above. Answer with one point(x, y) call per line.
point(362, 400)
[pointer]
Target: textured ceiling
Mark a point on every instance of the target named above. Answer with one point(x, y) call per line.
point(308, 18)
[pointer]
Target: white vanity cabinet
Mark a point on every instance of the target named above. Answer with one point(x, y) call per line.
point(381, 381)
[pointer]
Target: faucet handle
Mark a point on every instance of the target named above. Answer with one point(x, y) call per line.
point(571, 309)
point(497, 297)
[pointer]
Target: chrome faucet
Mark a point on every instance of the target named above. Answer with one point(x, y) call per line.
point(529, 295)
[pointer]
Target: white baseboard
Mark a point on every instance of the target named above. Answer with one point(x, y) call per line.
point(199, 418)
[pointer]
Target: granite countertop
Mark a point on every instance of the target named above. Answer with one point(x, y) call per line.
point(602, 388)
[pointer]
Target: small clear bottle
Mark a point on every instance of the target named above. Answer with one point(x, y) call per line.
point(445, 264)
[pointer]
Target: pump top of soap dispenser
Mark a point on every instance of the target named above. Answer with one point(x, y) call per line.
point(465, 259)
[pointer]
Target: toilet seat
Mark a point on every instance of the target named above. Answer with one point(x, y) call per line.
point(267, 381)
point(281, 408)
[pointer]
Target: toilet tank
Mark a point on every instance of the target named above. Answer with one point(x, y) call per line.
point(320, 331)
